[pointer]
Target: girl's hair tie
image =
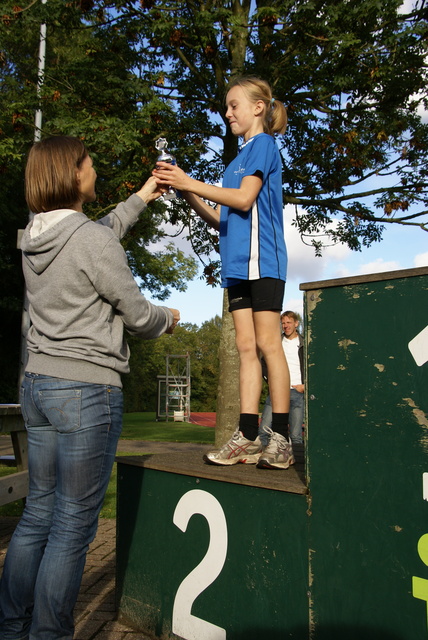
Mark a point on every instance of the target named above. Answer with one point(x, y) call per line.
point(272, 102)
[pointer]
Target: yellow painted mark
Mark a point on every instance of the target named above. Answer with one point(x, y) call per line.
point(312, 298)
point(344, 344)
point(380, 367)
point(420, 588)
point(422, 420)
point(423, 548)
point(420, 585)
point(418, 413)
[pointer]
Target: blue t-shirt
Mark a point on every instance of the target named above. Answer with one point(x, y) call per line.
point(252, 244)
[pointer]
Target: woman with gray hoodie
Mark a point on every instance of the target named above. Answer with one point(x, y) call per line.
point(82, 296)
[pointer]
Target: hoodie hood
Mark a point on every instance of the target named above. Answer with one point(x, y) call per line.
point(40, 251)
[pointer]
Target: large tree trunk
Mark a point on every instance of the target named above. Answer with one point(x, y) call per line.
point(228, 385)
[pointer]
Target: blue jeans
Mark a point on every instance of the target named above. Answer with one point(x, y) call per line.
point(295, 419)
point(73, 429)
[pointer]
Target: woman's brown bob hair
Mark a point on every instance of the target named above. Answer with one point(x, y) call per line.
point(50, 174)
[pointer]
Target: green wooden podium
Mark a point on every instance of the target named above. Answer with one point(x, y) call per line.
point(335, 548)
point(211, 552)
point(367, 453)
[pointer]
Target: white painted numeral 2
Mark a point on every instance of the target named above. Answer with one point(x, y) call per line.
point(184, 624)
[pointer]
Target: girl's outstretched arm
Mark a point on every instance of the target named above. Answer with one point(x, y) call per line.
point(241, 199)
point(204, 210)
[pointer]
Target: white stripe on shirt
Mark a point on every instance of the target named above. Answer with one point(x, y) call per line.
point(254, 265)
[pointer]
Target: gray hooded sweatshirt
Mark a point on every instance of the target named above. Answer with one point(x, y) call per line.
point(82, 295)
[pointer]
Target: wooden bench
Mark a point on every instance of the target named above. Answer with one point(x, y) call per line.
point(14, 486)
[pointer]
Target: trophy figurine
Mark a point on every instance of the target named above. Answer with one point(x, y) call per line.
point(165, 156)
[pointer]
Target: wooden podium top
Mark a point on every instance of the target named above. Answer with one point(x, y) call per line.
point(291, 480)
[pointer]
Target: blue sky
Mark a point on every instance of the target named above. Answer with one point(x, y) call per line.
point(401, 248)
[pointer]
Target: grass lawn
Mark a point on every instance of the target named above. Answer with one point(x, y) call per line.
point(143, 426)
point(136, 426)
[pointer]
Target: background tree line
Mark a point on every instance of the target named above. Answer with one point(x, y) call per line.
point(148, 360)
point(120, 73)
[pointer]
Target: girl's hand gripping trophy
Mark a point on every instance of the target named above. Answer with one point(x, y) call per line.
point(164, 156)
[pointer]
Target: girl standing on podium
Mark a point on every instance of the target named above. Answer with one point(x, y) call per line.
point(254, 264)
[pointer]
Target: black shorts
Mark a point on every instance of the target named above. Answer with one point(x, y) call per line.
point(265, 294)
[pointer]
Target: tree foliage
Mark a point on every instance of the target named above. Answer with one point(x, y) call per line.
point(91, 90)
point(353, 76)
point(148, 361)
point(120, 73)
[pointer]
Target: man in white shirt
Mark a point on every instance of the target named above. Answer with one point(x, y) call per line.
point(292, 343)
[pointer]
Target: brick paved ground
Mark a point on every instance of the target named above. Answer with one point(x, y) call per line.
point(95, 612)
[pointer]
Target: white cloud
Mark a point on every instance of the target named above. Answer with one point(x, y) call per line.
point(378, 266)
point(342, 271)
point(407, 6)
point(421, 260)
point(303, 264)
point(200, 302)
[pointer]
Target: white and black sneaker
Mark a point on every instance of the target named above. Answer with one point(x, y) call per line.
point(238, 449)
point(278, 454)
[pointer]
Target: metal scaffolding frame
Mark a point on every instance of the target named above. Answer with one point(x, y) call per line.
point(174, 398)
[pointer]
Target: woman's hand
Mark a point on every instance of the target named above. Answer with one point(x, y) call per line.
point(169, 175)
point(150, 190)
point(176, 316)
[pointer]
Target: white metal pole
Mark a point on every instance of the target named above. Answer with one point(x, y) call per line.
point(40, 79)
point(25, 318)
